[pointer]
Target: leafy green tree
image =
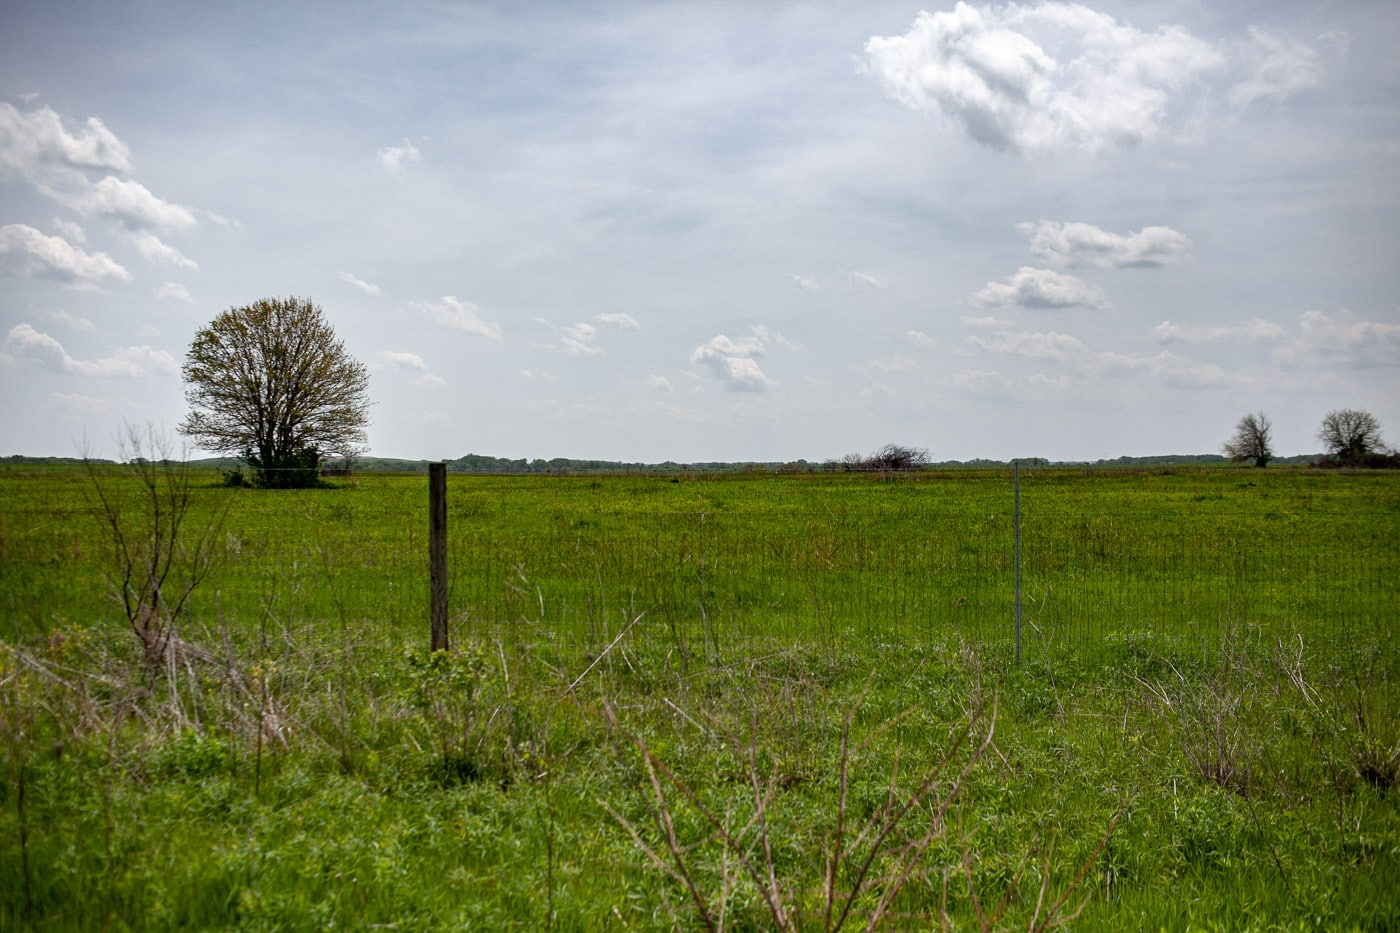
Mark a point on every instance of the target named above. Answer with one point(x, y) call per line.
point(1251, 440)
point(269, 382)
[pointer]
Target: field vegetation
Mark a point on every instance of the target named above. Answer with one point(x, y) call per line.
point(703, 702)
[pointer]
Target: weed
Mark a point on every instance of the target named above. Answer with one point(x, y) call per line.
point(1214, 717)
point(1352, 720)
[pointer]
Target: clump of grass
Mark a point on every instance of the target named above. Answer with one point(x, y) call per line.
point(871, 845)
point(1351, 721)
point(1212, 714)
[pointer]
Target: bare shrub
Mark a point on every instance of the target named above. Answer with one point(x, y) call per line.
point(865, 862)
point(1209, 716)
point(159, 551)
point(892, 458)
point(1356, 736)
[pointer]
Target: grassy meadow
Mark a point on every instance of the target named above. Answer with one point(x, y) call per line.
point(703, 702)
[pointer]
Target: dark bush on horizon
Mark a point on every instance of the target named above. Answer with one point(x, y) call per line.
point(892, 458)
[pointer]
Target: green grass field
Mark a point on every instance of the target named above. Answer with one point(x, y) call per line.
point(739, 702)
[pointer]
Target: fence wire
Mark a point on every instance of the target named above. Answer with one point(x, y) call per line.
point(708, 569)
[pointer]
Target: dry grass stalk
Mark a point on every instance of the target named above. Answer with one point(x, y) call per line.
point(879, 854)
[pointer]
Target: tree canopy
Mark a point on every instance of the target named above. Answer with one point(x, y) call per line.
point(1251, 440)
point(269, 382)
point(1351, 436)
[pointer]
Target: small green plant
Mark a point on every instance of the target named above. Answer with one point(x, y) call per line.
point(191, 755)
point(444, 688)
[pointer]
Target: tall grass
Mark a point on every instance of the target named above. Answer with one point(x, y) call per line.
point(674, 705)
point(721, 563)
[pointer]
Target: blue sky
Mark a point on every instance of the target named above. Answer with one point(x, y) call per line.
point(715, 231)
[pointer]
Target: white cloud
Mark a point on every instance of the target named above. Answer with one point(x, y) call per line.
point(1338, 41)
point(154, 250)
point(74, 233)
point(394, 158)
point(26, 251)
point(732, 361)
point(366, 287)
point(406, 360)
point(1344, 338)
point(768, 335)
point(581, 339)
point(1321, 339)
point(73, 322)
point(175, 292)
point(749, 346)
point(1071, 352)
point(1014, 387)
point(38, 348)
point(1067, 245)
point(459, 315)
point(837, 280)
point(1253, 330)
point(131, 203)
point(1040, 288)
point(1184, 374)
point(619, 320)
point(79, 404)
point(922, 340)
point(1054, 346)
point(413, 363)
point(26, 343)
point(659, 383)
point(987, 321)
point(1043, 75)
point(133, 361)
point(894, 364)
point(35, 141)
point(1277, 68)
point(578, 340)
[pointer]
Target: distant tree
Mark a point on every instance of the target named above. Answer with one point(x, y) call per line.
point(1251, 440)
point(888, 459)
point(895, 457)
point(1351, 436)
point(271, 383)
point(852, 462)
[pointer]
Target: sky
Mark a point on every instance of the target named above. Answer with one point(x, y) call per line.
point(714, 231)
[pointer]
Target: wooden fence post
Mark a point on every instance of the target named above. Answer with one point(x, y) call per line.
point(437, 552)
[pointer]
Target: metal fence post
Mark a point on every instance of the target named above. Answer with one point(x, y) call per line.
point(437, 553)
point(1016, 485)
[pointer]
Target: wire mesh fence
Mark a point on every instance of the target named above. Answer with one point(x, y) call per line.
point(707, 569)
